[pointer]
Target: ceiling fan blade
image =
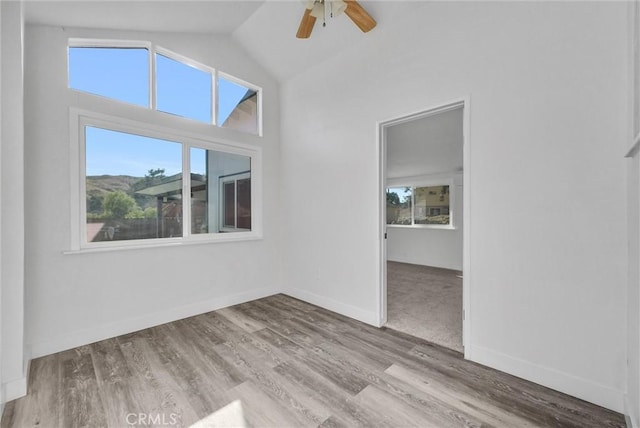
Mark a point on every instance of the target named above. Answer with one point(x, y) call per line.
point(306, 25)
point(359, 16)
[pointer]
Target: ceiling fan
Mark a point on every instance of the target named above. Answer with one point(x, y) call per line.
point(317, 9)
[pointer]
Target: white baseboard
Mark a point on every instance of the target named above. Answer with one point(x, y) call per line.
point(335, 306)
point(629, 415)
point(426, 263)
point(95, 334)
point(584, 389)
point(15, 389)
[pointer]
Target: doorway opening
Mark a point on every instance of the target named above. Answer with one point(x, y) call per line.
point(424, 224)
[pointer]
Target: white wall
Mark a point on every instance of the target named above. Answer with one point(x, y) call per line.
point(13, 366)
point(430, 247)
point(632, 404)
point(548, 88)
point(2, 400)
point(633, 296)
point(80, 298)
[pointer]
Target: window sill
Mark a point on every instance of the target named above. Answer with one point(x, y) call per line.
point(422, 226)
point(167, 243)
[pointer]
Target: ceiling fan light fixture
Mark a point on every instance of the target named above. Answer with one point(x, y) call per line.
point(338, 7)
point(317, 11)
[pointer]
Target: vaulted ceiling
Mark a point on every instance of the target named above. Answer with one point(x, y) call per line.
point(264, 28)
point(214, 17)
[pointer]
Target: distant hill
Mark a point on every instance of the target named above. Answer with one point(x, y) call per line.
point(100, 185)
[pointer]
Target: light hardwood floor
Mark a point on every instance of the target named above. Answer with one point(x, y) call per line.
point(285, 363)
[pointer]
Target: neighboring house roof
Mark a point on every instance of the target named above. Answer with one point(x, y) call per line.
point(170, 186)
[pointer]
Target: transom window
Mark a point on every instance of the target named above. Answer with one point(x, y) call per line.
point(149, 76)
point(423, 206)
point(184, 90)
point(120, 73)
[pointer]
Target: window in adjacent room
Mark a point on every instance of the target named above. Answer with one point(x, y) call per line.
point(423, 206)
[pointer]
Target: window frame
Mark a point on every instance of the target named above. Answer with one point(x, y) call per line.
point(233, 178)
point(158, 50)
point(154, 49)
point(237, 81)
point(81, 118)
point(425, 183)
point(115, 44)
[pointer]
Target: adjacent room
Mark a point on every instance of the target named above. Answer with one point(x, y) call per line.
point(325, 213)
point(424, 222)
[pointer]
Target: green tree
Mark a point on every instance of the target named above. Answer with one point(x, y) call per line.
point(94, 204)
point(150, 212)
point(393, 198)
point(158, 172)
point(118, 204)
point(136, 212)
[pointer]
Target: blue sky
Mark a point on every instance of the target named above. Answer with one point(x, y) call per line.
point(123, 74)
point(402, 192)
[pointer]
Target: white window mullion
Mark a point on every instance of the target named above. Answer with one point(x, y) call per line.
point(186, 191)
point(235, 204)
point(214, 97)
point(83, 185)
point(152, 79)
point(411, 207)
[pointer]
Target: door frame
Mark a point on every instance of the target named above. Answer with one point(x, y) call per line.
point(381, 136)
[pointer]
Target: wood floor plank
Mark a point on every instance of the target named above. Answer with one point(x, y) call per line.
point(154, 385)
point(464, 402)
point(192, 372)
point(81, 405)
point(316, 359)
point(292, 301)
point(222, 327)
point(112, 373)
point(328, 393)
point(258, 367)
point(241, 321)
point(390, 411)
point(200, 346)
point(344, 346)
point(284, 307)
point(567, 410)
point(261, 410)
point(283, 362)
point(370, 373)
point(45, 405)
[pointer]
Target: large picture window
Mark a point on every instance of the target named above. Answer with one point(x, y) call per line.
point(424, 206)
point(141, 185)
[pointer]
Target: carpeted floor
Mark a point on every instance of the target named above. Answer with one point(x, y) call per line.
point(425, 302)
